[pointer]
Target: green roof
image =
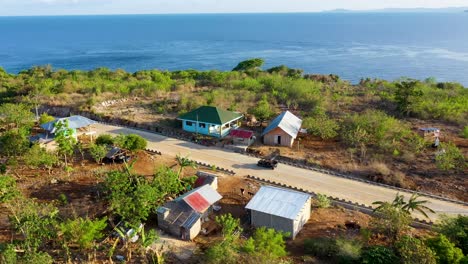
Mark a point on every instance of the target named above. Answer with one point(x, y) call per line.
point(211, 114)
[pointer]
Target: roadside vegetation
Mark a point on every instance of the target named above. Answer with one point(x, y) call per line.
point(373, 122)
point(369, 122)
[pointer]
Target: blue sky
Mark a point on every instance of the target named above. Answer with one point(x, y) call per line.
point(80, 7)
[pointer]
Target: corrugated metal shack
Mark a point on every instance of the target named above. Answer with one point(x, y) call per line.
point(183, 216)
point(281, 209)
point(282, 130)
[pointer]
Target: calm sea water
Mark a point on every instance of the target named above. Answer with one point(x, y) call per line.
point(351, 45)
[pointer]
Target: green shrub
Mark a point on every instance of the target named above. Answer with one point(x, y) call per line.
point(105, 139)
point(451, 158)
point(320, 247)
point(45, 118)
point(98, 152)
point(376, 129)
point(37, 156)
point(8, 254)
point(378, 255)
point(349, 251)
point(456, 230)
point(36, 258)
point(83, 232)
point(412, 250)
point(322, 201)
point(322, 127)
point(465, 132)
point(267, 243)
point(445, 251)
point(131, 142)
point(13, 143)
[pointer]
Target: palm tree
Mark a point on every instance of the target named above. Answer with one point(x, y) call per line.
point(397, 203)
point(407, 207)
point(414, 205)
point(184, 162)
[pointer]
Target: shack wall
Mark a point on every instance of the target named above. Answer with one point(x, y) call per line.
point(271, 138)
point(259, 219)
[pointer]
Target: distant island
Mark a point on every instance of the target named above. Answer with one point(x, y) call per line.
point(403, 10)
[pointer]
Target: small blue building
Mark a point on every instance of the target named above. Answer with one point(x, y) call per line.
point(210, 121)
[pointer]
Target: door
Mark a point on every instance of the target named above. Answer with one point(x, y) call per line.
point(278, 140)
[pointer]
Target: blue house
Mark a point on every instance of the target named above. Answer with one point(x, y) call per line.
point(210, 121)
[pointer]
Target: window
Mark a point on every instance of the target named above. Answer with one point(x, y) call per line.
point(202, 125)
point(188, 123)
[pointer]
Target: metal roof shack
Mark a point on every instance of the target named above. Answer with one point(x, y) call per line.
point(288, 122)
point(240, 133)
point(206, 178)
point(278, 201)
point(201, 198)
point(184, 215)
point(74, 122)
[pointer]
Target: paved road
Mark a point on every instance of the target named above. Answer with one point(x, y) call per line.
point(355, 191)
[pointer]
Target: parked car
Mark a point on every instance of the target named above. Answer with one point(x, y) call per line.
point(267, 163)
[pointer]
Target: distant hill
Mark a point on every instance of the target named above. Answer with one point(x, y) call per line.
point(404, 10)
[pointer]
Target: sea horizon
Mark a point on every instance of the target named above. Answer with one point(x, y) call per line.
point(388, 46)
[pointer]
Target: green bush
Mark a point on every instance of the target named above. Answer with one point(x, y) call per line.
point(131, 142)
point(378, 130)
point(378, 255)
point(322, 127)
point(45, 118)
point(456, 230)
point(98, 152)
point(412, 250)
point(465, 132)
point(322, 201)
point(13, 143)
point(37, 157)
point(451, 158)
point(349, 251)
point(320, 247)
point(105, 139)
point(445, 251)
point(267, 244)
point(83, 232)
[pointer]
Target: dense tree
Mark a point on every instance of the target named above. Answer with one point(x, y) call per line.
point(98, 152)
point(45, 118)
point(131, 142)
point(105, 139)
point(456, 230)
point(251, 64)
point(82, 231)
point(263, 109)
point(321, 126)
point(37, 157)
point(406, 94)
point(266, 243)
point(445, 251)
point(412, 250)
point(13, 143)
point(66, 141)
point(391, 220)
point(18, 114)
point(378, 255)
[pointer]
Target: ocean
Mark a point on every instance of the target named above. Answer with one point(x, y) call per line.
point(351, 45)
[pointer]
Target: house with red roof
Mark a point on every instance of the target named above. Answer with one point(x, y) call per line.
point(183, 216)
